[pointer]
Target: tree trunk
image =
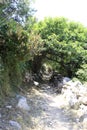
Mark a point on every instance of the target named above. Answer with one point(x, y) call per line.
point(37, 62)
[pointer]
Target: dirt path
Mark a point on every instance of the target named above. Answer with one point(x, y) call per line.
point(45, 112)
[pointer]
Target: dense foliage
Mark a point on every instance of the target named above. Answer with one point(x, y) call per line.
point(66, 44)
point(82, 73)
point(26, 44)
point(19, 10)
point(18, 44)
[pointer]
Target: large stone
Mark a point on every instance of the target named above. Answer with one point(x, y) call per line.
point(15, 125)
point(83, 118)
point(36, 83)
point(84, 100)
point(65, 80)
point(68, 85)
point(9, 106)
point(71, 98)
point(22, 104)
point(85, 122)
point(74, 103)
point(82, 110)
point(83, 92)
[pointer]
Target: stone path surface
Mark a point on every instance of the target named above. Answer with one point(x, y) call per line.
point(45, 112)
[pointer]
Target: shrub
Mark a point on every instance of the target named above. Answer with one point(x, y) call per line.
point(82, 73)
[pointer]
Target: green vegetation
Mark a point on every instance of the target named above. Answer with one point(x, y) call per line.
point(27, 45)
point(65, 44)
point(82, 73)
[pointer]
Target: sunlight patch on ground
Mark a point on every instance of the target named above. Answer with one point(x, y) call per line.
point(58, 101)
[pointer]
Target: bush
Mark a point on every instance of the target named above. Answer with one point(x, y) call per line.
point(82, 73)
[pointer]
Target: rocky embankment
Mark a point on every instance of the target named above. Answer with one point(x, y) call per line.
point(74, 96)
point(42, 108)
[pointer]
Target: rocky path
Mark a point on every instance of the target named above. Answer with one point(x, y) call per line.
point(45, 112)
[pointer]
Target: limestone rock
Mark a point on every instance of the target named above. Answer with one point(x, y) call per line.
point(84, 101)
point(15, 124)
point(22, 104)
point(9, 106)
point(85, 122)
point(36, 83)
point(65, 80)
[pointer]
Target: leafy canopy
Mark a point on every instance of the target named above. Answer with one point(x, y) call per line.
point(65, 43)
